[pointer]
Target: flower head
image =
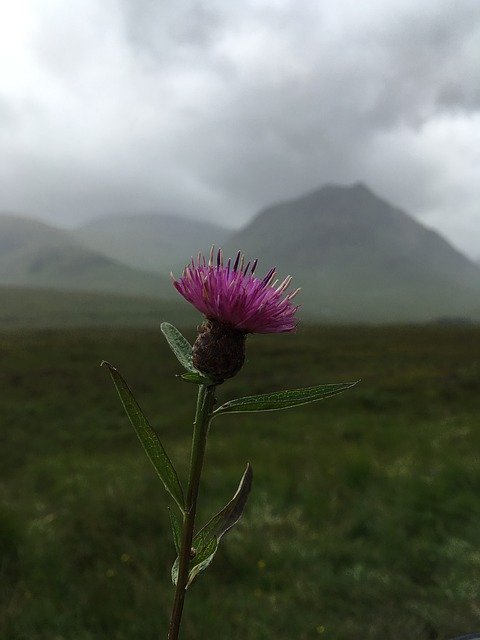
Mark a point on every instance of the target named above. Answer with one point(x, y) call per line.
point(234, 296)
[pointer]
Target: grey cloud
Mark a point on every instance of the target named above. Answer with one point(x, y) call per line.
point(217, 108)
point(152, 25)
point(7, 113)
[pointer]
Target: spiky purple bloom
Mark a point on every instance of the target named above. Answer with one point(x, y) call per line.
point(234, 296)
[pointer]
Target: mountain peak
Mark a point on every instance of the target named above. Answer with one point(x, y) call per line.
point(355, 187)
point(360, 186)
point(342, 197)
point(357, 255)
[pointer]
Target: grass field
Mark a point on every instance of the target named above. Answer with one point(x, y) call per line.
point(25, 308)
point(363, 524)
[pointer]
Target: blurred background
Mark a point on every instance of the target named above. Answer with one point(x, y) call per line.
point(338, 141)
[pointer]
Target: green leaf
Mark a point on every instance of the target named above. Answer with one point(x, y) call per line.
point(149, 439)
point(175, 571)
point(283, 399)
point(203, 559)
point(231, 513)
point(207, 539)
point(196, 378)
point(176, 529)
point(179, 345)
point(183, 351)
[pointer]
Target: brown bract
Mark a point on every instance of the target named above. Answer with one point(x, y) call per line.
point(219, 350)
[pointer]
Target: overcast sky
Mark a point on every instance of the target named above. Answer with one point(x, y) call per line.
point(216, 108)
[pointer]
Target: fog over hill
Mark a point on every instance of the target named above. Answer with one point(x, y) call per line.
point(155, 242)
point(35, 254)
point(355, 256)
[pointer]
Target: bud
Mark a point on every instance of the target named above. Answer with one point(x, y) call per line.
point(219, 350)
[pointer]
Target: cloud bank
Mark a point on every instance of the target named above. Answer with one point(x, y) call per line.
point(214, 109)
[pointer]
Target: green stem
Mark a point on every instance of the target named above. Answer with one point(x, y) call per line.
point(205, 404)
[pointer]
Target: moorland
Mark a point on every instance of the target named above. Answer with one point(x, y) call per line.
point(364, 519)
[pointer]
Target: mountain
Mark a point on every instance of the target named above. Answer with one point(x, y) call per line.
point(358, 258)
point(158, 243)
point(35, 254)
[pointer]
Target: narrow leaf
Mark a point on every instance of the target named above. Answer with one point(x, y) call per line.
point(283, 399)
point(149, 439)
point(207, 539)
point(175, 572)
point(196, 378)
point(231, 513)
point(176, 529)
point(203, 559)
point(183, 351)
point(179, 345)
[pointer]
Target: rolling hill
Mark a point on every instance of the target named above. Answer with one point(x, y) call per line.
point(35, 254)
point(358, 258)
point(158, 243)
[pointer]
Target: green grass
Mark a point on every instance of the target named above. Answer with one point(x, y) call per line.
point(24, 307)
point(363, 524)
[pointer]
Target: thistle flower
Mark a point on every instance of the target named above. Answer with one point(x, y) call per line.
point(234, 296)
point(235, 302)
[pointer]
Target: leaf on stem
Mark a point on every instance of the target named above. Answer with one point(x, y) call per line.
point(196, 378)
point(179, 345)
point(207, 539)
point(176, 529)
point(149, 439)
point(283, 399)
point(183, 352)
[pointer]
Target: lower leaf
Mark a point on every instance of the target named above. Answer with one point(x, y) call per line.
point(206, 541)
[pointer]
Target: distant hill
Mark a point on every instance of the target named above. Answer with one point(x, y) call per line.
point(159, 243)
point(358, 258)
point(35, 254)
